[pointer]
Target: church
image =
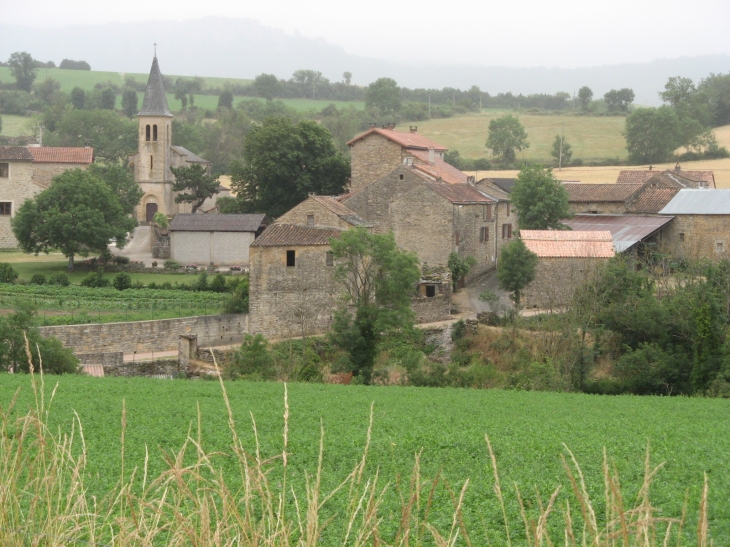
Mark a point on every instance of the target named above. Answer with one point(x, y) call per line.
point(156, 154)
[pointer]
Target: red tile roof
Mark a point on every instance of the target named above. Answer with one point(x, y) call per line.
point(651, 199)
point(439, 169)
point(568, 243)
point(60, 154)
point(639, 176)
point(15, 153)
point(406, 140)
point(291, 235)
point(578, 192)
point(459, 193)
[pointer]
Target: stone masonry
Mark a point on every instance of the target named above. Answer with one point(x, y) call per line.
point(556, 280)
point(373, 158)
point(697, 237)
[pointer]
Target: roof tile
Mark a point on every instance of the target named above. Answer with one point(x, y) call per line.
point(199, 222)
point(579, 192)
point(15, 153)
point(651, 200)
point(568, 244)
point(61, 154)
point(284, 235)
point(406, 140)
point(459, 193)
point(639, 176)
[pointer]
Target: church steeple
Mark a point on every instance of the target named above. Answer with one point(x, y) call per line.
point(155, 100)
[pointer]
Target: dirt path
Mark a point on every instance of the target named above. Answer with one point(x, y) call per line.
point(138, 247)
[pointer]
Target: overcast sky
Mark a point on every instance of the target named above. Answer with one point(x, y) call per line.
point(521, 33)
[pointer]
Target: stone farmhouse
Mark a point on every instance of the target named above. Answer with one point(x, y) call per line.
point(566, 259)
point(156, 153)
point(26, 171)
point(685, 179)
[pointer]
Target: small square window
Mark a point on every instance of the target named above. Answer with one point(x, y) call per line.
point(400, 177)
point(681, 236)
point(4, 170)
point(330, 258)
point(720, 247)
point(291, 257)
point(6, 208)
point(430, 291)
point(310, 220)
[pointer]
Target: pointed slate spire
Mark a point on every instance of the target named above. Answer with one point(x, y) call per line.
point(155, 100)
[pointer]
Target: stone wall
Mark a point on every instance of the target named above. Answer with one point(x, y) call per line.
point(43, 173)
point(150, 336)
point(556, 279)
point(372, 158)
point(162, 367)
point(16, 188)
point(697, 236)
point(291, 301)
point(105, 358)
point(597, 207)
point(159, 241)
point(322, 215)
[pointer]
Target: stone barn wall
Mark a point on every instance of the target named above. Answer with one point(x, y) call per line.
point(556, 279)
point(697, 236)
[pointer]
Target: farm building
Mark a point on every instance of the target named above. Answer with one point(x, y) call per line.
point(566, 260)
point(27, 171)
point(684, 179)
point(701, 225)
point(627, 231)
point(322, 211)
point(214, 239)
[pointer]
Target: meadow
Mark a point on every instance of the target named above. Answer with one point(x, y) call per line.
point(443, 428)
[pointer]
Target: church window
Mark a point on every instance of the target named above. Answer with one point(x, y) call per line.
point(152, 162)
point(6, 208)
point(4, 170)
point(154, 132)
point(147, 133)
point(291, 257)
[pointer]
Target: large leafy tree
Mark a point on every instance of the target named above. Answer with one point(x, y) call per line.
point(23, 69)
point(506, 134)
point(540, 199)
point(195, 185)
point(129, 102)
point(585, 95)
point(652, 134)
point(266, 86)
point(516, 269)
point(111, 136)
point(378, 279)
point(618, 100)
point(283, 162)
point(77, 214)
point(384, 95)
point(120, 181)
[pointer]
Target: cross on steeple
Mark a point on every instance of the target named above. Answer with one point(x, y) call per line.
point(155, 44)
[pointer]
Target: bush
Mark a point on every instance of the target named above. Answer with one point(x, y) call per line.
point(253, 360)
point(152, 286)
point(95, 279)
point(7, 273)
point(160, 219)
point(201, 283)
point(38, 279)
point(60, 279)
point(122, 281)
point(218, 284)
point(121, 260)
point(172, 265)
point(238, 301)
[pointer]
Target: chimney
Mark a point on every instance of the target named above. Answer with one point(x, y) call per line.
point(389, 125)
point(651, 167)
point(431, 154)
point(414, 129)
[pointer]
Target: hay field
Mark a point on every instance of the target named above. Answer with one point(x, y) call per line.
point(598, 175)
point(590, 137)
point(14, 126)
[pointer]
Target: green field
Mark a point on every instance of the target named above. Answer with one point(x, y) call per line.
point(590, 137)
point(446, 426)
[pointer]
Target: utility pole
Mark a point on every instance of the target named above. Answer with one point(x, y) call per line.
point(562, 132)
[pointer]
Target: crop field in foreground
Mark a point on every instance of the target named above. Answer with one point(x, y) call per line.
point(446, 426)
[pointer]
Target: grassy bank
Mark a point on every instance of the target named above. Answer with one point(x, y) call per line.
point(443, 428)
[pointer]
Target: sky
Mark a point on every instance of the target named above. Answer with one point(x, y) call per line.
point(518, 33)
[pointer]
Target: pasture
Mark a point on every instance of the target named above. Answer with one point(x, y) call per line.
point(445, 426)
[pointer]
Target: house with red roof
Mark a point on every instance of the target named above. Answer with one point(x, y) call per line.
point(678, 176)
point(27, 170)
point(379, 150)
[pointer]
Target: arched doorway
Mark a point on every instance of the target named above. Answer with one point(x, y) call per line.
point(150, 211)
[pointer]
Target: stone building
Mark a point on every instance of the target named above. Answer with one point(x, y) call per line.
point(156, 153)
point(701, 225)
point(566, 260)
point(214, 239)
point(323, 211)
point(293, 291)
point(684, 179)
point(599, 198)
point(378, 151)
point(26, 171)
point(433, 219)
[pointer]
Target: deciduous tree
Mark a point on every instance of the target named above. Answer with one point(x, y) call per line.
point(506, 134)
point(129, 102)
point(112, 136)
point(195, 184)
point(77, 214)
point(516, 269)
point(23, 70)
point(561, 151)
point(378, 279)
point(120, 181)
point(540, 199)
point(585, 95)
point(283, 162)
point(618, 100)
point(652, 134)
point(266, 86)
point(384, 95)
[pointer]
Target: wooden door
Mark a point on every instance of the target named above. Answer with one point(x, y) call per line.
point(151, 210)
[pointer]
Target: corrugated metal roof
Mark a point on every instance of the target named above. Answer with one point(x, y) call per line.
point(192, 158)
point(626, 230)
point(699, 202)
point(291, 235)
point(199, 222)
point(568, 244)
point(15, 153)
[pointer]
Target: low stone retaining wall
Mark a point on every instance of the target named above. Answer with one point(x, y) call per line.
point(163, 367)
point(150, 336)
point(104, 358)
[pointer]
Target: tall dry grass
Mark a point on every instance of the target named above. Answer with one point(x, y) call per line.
point(44, 500)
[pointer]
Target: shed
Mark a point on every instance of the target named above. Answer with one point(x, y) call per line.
point(214, 239)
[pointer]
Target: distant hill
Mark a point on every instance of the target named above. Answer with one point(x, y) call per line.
point(243, 48)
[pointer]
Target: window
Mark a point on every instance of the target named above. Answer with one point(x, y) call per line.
point(719, 247)
point(681, 236)
point(456, 239)
point(509, 208)
point(430, 291)
point(6, 208)
point(506, 231)
point(152, 163)
point(487, 212)
point(400, 177)
point(291, 258)
point(4, 170)
point(330, 258)
point(147, 133)
point(310, 220)
point(484, 234)
point(154, 132)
